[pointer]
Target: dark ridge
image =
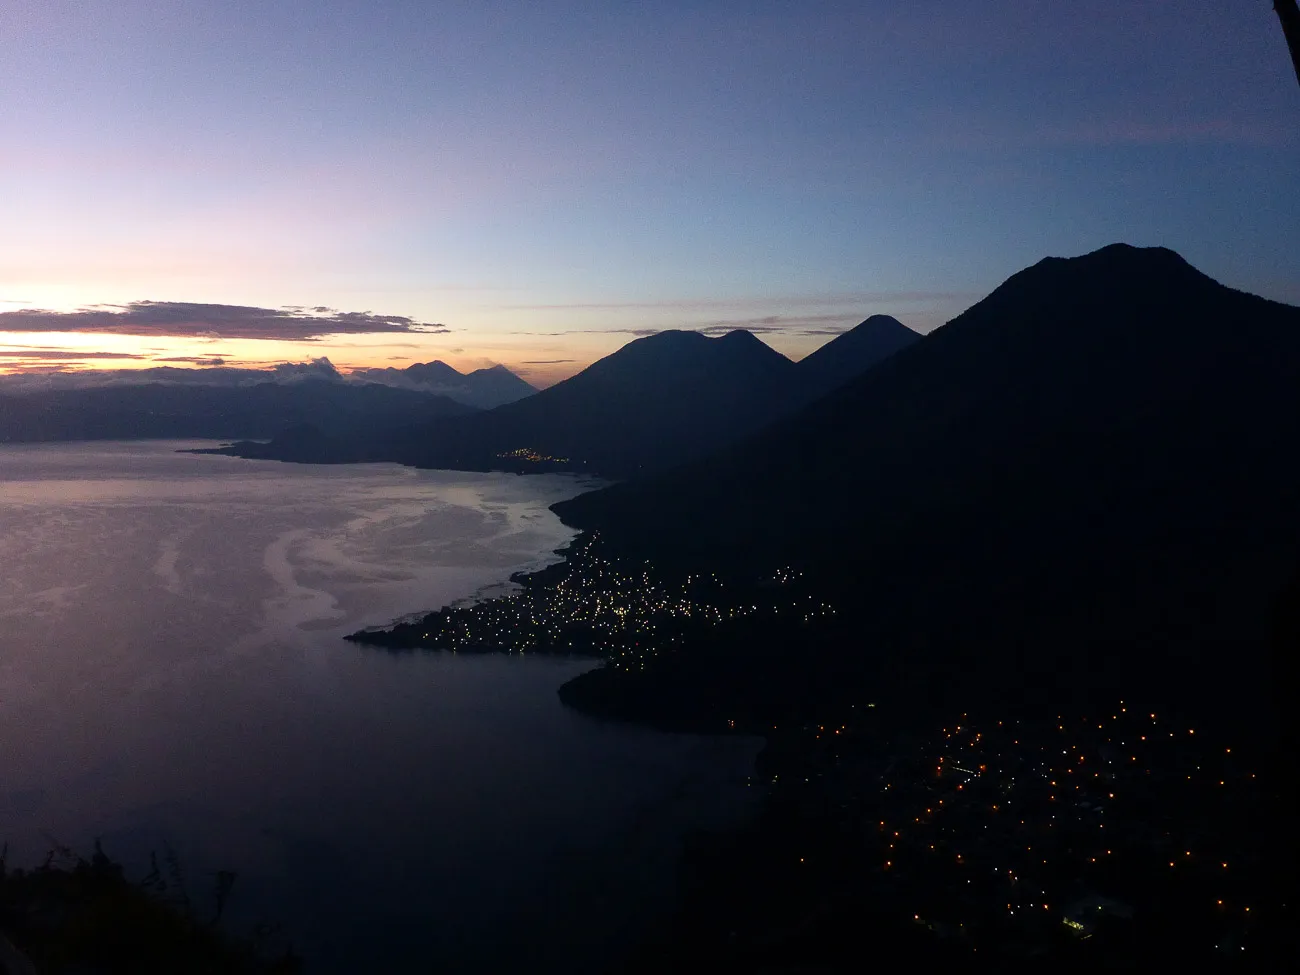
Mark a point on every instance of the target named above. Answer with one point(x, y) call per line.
point(1087, 479)
point(848, 356)
point(656, 402)
point(659, 401)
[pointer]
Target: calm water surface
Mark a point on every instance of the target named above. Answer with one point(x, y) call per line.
point(172, 676)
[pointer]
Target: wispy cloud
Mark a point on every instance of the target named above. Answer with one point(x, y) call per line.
point(827, 324)
point(783, 325)
point(181, 318)
point(195, 360)
point(545, 362)
point(846, 300)
point(214, 372)
point(64, 354)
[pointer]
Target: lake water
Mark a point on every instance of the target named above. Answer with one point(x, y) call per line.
point(172, 676)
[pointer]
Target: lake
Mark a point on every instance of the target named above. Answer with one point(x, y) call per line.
point(173, 676)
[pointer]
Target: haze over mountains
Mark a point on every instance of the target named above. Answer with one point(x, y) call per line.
point(225, 402)
point(1086, 480)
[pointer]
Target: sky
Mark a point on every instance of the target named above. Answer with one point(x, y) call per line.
point(536, 183)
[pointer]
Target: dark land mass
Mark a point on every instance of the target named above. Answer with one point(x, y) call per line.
point(657, 402)
point(1112, 840)
point(1086, 481)
point(1077, 500)
point(336, 410)
point(654, 402)
point(1081, 829)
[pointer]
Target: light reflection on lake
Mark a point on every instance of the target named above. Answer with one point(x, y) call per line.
point(171, 672)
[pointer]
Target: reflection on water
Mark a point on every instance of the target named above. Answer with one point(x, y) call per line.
point(171, 672)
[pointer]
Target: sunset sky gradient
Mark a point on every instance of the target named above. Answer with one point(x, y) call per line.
point(536, 183)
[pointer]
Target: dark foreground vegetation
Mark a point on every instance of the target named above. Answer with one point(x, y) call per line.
point(73, 915)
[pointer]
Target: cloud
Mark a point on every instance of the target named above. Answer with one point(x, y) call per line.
point(640, 332)
point(56, 376)
point(782, 325)
point(545, 362)
point(320, 368)
point(182, 318)
point(846, 300)
point(64, 354)
point(762, 325)
point(215, 360)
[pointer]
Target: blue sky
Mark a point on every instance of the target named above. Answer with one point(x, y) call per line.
point(545, 179)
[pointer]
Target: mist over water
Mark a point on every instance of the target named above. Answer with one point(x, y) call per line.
point(172, 674)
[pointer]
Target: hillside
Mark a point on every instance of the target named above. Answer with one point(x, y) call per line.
point(1087, 477)
point(849, 355)
point(655, 402)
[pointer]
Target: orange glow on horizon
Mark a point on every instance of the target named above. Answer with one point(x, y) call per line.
point(28, 353)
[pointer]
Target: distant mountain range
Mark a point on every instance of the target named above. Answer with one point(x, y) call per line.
point(659, 401)
point(311, 400)
point(1088, 479)
point(162, 410)
point(482, 388)
point(656, 402)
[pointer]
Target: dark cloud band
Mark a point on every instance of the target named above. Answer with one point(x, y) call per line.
point(181, 318)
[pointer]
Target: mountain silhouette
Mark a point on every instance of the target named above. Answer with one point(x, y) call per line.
point(1088, 479)
point(482, 388)
point(432, 373)
point(658, 401)
point(849, 355)
point(160, 410)
point(655, 402)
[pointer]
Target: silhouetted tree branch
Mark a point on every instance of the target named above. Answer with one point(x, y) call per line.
point(1289, 14)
